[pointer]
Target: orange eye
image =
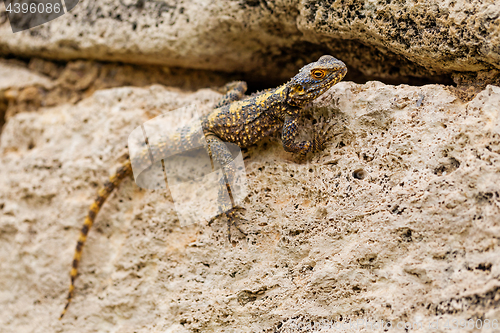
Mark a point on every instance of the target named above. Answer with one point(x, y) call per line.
point(318, 74)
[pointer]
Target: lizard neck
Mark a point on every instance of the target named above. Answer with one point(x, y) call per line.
point(273, 102)
point(286, 108)
point(279, 104)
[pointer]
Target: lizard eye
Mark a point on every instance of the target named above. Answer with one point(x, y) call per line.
point(318, 74)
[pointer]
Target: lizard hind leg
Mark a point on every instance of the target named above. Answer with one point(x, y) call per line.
point(222, 157)
point(226, 208)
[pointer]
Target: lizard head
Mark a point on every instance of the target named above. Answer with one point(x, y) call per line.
point(314, 79)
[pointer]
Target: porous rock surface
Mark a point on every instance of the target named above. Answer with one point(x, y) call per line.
point(397, 219)
point(386, 39)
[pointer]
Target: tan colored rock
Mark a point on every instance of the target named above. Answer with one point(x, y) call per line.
point(26, 87)
point(386, 39)
point(396, 220)
point(14, 77)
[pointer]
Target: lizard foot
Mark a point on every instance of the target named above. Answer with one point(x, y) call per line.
point(233, 218)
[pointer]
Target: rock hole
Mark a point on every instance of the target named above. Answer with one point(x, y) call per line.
point(451, 165)
point(406, 234)
point(359, 174)
point(398, 210)
point(3, 109)
point(484, 196)
point(484, 266)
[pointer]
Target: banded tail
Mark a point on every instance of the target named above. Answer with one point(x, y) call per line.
point(183, 139)
point(123, 171)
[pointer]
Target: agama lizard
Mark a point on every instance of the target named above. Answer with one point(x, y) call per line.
point(243, 122)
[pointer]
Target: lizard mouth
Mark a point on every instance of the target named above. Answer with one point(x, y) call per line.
point(343, 72)
point(339, 74)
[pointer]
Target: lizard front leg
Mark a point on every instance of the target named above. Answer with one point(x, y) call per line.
point(222, 156)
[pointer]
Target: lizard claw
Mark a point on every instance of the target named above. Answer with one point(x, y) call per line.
point(233, 219)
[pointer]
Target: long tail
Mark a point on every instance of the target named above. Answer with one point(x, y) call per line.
point(124, 170)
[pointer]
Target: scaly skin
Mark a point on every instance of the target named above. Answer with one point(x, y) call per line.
point(242, 122)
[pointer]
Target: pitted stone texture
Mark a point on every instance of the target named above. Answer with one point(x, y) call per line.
point(386, 39)
point(439, 36)
point(396, 220)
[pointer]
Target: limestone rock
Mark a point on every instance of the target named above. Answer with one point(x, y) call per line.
point(17, 77)
point(396, 220)
point(386, 39)
point(27, 87)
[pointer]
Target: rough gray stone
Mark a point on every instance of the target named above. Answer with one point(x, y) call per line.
point(396, 220)
point(392, 40)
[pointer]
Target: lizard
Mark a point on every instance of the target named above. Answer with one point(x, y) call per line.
point(242, 121)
